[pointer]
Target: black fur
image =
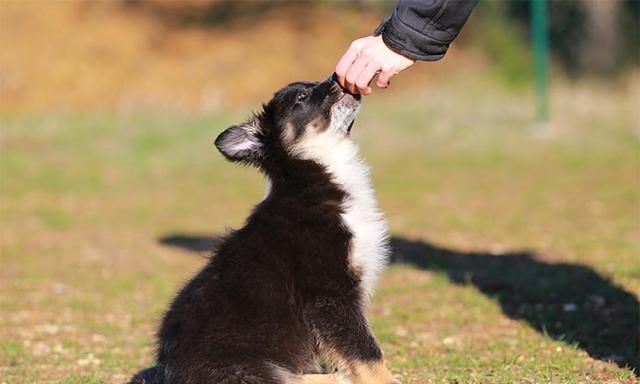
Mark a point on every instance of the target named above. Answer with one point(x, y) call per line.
point(279, 287)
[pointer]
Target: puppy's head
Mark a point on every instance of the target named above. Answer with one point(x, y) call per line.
point(303, 121)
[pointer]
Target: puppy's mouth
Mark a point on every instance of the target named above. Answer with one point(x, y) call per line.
point(344, 109)
point(346, 94)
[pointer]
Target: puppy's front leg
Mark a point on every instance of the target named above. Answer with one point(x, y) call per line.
point(319, 379)
point(344, 337)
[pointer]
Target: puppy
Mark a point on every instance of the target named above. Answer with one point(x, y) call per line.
point(288, 289)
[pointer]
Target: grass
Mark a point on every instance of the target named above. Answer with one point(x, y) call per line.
point(515, 245)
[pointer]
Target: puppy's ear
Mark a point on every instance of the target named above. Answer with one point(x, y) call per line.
point(241, 143)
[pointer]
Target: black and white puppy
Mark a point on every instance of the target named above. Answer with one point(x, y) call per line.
point(289, 288)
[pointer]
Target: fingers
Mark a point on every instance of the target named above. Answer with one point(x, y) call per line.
point(366, 57)
point(345, 62)
point(354, 72)
point(365, 77)
point(384, 78)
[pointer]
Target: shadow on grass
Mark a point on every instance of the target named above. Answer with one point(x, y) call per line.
point(571, 303)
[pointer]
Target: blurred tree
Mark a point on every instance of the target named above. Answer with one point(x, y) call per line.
point(629, 25)
point(599, 36)
point(599, 48)
point(503, 38)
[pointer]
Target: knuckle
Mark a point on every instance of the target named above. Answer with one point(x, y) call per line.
point(367, 53)
point(386, 68)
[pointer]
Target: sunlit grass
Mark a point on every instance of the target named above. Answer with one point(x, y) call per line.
point(85, 199)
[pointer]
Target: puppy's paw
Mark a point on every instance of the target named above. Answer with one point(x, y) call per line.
point(391, 380)
point(375, 374)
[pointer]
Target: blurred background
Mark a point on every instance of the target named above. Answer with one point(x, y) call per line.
point(516, 232)
point(205, 55)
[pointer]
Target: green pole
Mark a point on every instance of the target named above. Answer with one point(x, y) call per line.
point(540, 35)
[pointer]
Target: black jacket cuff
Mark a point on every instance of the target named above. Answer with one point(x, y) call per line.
point(404, 40)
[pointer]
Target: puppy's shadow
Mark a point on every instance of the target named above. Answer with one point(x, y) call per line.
point(571, 303)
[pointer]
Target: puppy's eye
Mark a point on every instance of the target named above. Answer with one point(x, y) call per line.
point(303, 95)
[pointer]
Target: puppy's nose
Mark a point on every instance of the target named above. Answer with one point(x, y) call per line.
point(333, 78)
point(331, 84)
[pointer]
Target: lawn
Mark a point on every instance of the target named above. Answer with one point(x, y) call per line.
point(516, 244)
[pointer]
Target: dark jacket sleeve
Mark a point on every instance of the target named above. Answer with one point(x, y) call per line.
point(423, 29)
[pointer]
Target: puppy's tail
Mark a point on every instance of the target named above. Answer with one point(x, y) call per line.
point(147, 376)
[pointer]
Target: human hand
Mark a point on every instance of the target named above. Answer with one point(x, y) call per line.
point(365, 58)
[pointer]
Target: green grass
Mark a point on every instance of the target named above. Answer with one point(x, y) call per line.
point(498, 225)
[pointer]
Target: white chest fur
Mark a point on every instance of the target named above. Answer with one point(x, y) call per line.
point(369, 245)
